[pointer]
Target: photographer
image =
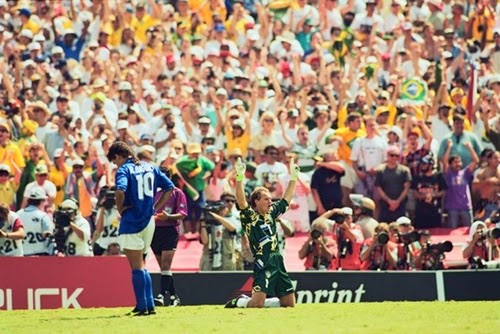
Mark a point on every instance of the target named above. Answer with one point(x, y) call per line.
point(348, 237)
point(37, 225)
point(217, 236)
point(72, 233)
point(165, 239)
point(11, 232)
point(402, 233)
point(481, 245)
point(364, 209)
point(318, 250)
point(378, 252)
point(429, 256)
point(106, 230)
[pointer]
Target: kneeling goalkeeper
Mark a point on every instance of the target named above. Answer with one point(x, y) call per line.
point(259, 224)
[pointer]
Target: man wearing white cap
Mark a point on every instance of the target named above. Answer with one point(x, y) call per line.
point(41, 180)
point(72, 230)
point(37, 224)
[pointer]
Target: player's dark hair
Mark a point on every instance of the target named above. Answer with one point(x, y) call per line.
point(256, 195)
point(121, 149)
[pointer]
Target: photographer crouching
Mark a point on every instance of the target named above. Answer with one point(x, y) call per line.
point(318, 250)
point(348, 237)
point(378, 252)
point(220, 228)
point(481, 250)
point(429, 256)
point(106, 231)
point(72, 231)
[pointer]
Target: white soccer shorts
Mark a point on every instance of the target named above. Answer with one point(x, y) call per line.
point(138, 241)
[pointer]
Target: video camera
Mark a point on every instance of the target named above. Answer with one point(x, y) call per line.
point(63, 217)
point(492, 233)
point(107, 197)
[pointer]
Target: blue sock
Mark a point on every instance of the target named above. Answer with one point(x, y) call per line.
point(139, 283)
point(148, 290)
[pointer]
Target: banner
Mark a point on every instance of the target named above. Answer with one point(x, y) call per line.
point(471, 285)
point(413, 92)
point(36, 283)
point(312, 287)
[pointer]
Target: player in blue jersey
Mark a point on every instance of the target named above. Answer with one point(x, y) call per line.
point(136, 184)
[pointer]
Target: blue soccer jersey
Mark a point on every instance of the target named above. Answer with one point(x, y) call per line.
point(139, 183)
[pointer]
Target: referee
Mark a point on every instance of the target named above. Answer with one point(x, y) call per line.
point(168, 219)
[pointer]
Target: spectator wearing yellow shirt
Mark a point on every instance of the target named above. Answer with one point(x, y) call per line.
point(207, 8)
point(10, 154)
point(27, 22)
point(482, 23)
point(8, 186)
point(57, 175)
point(349, 134)
point(142, 21)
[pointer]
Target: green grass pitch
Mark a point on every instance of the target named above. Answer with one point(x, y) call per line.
point(409, 317)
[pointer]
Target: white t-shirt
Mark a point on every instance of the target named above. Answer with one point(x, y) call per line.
point(369, 152)
point(321, 144)
point(109, 234)
point(299, 14)
point(74, 246)
point(36, 223)
point(409, 70)
point(9, 247)
point(48, 186)
point(270, 173)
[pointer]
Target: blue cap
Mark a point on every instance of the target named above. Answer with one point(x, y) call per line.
point(219, 27)
point(229, 76)
point(25, 11)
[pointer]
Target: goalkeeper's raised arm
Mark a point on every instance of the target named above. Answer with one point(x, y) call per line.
point(241, 200)
point(294, 174)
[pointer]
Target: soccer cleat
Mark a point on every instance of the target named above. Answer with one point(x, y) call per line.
point(151, 311)
point(233, 303)
point(141, 314)
point(134, 311)
point(175, 301)
point(159, 300)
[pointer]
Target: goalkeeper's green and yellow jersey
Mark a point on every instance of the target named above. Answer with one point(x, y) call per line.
point(261, 230)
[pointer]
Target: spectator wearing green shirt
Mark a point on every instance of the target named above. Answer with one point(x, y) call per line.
point(195, 169)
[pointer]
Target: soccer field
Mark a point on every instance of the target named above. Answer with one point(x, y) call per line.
point(410, 317)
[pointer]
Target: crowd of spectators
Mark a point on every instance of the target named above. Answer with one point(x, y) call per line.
point(394, 100)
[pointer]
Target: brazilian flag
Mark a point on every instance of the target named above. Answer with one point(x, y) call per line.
point(342, 45)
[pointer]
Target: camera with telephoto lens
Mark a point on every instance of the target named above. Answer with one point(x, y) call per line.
point(440, 248)
point(382, 238)
point(492, 233)
point(212, 207)
point(408, 238)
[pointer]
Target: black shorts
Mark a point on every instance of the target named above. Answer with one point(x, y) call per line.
point(164, 239)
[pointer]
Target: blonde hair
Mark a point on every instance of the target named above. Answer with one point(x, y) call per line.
point(267, 114)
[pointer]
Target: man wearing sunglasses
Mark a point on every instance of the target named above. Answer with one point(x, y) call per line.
point(392, 183)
